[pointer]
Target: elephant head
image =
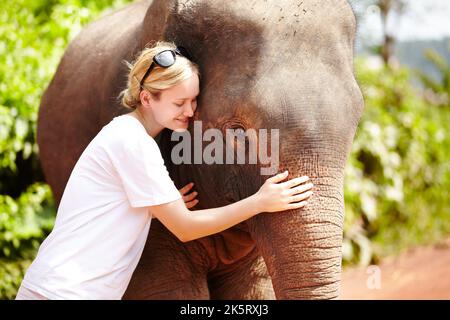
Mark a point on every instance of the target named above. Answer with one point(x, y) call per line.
point(285, 66)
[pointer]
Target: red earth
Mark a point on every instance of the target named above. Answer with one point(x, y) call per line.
point(419, 273)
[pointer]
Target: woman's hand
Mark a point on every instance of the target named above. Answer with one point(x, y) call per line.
point(189, 199)
point(275, 195)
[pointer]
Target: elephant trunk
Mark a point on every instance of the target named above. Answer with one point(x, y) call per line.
point(302, 248)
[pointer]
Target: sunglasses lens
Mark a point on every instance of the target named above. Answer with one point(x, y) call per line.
point(165, 58)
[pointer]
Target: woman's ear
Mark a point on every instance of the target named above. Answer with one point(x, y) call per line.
point(145, 98)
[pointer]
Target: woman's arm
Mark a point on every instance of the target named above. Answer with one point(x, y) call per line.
point(272, 196)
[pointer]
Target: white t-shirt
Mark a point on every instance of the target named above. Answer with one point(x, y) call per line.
point(103, 221)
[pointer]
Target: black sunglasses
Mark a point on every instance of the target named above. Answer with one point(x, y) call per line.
point(165, 59)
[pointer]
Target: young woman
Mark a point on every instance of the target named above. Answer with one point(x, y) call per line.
point(120, 182)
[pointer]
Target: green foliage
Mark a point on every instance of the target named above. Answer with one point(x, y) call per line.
point(397, 178)
point(24, 222)
point(33, 37)
point(438, 92)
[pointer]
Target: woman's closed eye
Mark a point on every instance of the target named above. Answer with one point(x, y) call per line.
point(194, 101)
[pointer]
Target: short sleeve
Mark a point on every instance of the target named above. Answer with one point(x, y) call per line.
point(140, 167)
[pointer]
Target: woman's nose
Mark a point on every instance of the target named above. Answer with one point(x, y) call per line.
point(189, 111)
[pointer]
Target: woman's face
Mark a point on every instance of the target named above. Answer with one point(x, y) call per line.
point(176, 104)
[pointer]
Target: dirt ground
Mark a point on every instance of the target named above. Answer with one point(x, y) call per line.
point(420, 273)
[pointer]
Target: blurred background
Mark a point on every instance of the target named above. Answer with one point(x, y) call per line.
point(397, 177)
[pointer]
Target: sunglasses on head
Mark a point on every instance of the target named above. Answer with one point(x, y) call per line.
point(165, 59)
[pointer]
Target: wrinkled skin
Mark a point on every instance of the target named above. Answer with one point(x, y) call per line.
point(264, 64)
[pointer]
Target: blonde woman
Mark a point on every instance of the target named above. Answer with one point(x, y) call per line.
point(120, 182)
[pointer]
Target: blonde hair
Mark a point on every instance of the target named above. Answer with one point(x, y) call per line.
point(159, 79)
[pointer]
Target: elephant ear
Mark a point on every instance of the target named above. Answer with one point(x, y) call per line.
point(157, 18)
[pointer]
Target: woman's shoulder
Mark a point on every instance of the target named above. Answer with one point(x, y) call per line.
point(125, 120)
point(127, 132)
point(123, 127)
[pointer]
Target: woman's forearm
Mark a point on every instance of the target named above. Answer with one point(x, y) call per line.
point(202, 223)
point(273, 196)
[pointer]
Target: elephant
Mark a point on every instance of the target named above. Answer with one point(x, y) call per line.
point(274, 64)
